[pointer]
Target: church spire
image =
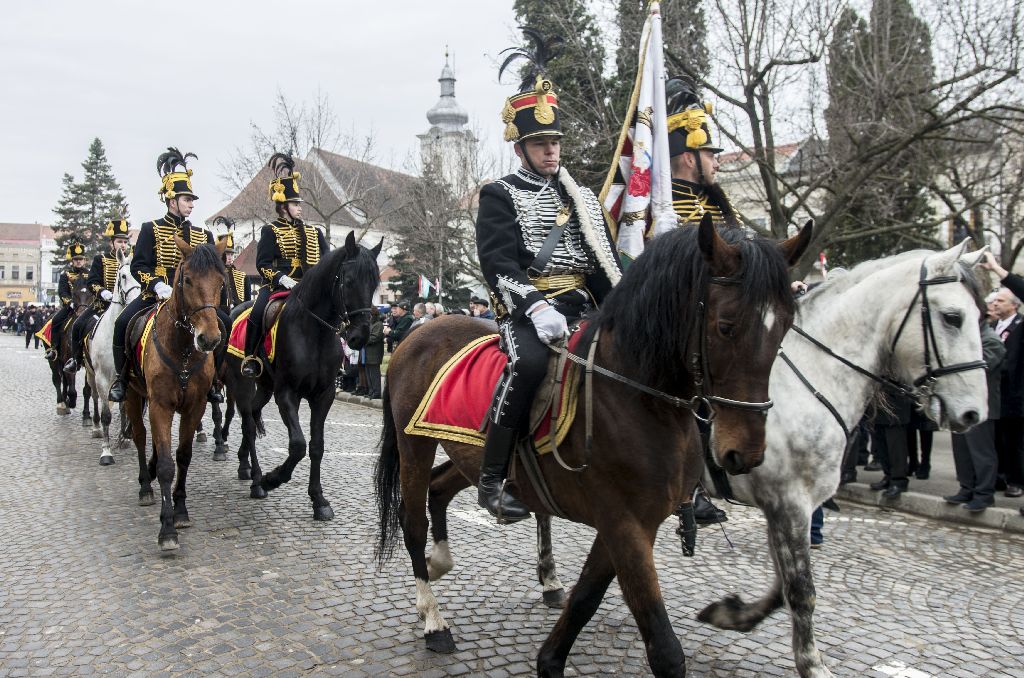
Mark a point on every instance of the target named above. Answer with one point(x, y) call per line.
point(447, 113)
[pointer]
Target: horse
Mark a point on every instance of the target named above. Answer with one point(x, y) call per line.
point(63, 382)
point(696, 319)
point(99, 358)
point(177, 370)
point(912, 317)
point(222, 420)
point(332, 299)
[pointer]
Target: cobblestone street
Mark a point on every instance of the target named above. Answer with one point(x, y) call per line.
point(258, 588)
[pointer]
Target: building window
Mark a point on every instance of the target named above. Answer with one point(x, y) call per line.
point(55, 275)
point(30, 273)
point(3, 272)
point(15, 272)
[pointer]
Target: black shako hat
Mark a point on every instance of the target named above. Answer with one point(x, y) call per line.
point(534, 111)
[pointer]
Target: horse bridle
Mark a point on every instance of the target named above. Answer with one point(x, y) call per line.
point(345, 315)
point(182, 319)
point(922, 388)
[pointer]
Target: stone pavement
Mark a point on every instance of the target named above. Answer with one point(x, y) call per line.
point(259, 589)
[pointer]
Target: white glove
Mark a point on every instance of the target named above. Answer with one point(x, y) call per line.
point(286, 282)
point(106, 295)
point(549, 323)
point(163, 290)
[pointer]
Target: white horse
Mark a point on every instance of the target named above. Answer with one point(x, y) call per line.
point(99, 364)
point(872, 316)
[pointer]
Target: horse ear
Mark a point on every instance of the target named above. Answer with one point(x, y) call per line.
point(351, 249)
point(186, 249)
point(945, 260)
point(718, 254)
point(972, 259)
point(220, 246)
point(794, 248)
point(376, 250)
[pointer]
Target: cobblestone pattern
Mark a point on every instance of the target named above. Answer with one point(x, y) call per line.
point(258, 588)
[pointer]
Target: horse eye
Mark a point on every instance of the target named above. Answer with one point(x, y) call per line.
point(726, 329)
point(953, 318)
point(188, 280)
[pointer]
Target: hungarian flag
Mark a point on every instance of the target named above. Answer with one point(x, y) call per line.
point(423, 290)
point(637, 192)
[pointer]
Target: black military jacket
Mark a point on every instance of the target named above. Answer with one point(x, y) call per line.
point(288, 249)
point(516, 214)
point(70, 278)
point(103, 272)
point(237, 287)
point(690, 202)
point(156, 256)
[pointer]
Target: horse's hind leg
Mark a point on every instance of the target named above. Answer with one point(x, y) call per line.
point(583, 601)
point(86, 413)
point(318, 415)
point(219, 451)
point(445, 483)
point(106, 456)
point(133, 413)
point(160, 419)
point(553, 590)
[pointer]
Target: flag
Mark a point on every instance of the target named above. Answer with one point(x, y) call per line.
point(423, 289)
point(637, 192)
point(824, 265)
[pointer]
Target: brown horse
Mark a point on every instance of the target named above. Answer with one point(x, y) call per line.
point(177, 370)
point(698, 318)
point(64, 382)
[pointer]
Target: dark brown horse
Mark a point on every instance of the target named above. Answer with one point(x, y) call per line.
point(177, 370)
point(64, 382)
point(646, 453)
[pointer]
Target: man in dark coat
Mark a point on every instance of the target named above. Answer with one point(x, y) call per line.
point(402, 325)
point(373, 354)
point(1010, 425)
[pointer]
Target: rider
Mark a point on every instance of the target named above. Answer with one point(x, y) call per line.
point(547, 257)
point(157, 256)
point(101, 282)
point(286, 248)
point(70, 279)
point(236, 290)
point(694, 162)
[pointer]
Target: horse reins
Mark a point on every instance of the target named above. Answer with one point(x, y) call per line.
point(345, 314)
point(182, 320)
point(923, 387)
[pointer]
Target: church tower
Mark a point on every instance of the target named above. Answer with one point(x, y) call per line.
point(448, 144)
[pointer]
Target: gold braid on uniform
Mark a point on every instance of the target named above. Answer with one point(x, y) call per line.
point(109, 274)
point(238, 280)
point(312, 246)
point(690, 207)
point(287, 243)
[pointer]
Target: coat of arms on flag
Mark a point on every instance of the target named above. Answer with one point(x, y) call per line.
point(637, 193)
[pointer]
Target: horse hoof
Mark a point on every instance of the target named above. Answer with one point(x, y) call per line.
point(257, 492)
point(323, 513)
point(108, 460)
point(86, 422)
point(440, 642)
point(97, 433)
point(62, 409)
point(146, 499)
point(169, 543)
point(219, 454)
point(200, 437)
point(555, 598)
point(182, 521)
point(244, 474)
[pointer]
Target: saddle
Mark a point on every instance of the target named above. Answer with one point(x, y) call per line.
point(267, 328)
point(137, 333)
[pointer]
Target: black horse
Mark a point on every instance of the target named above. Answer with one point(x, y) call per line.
point(332, 300)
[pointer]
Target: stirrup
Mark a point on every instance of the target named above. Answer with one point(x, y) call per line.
point(255, 366)
point(51, 354)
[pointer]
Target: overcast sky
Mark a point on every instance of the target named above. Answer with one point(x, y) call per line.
point(142, 76)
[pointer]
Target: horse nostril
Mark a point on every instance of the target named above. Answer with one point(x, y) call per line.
point(731, 461)
point(970, 418)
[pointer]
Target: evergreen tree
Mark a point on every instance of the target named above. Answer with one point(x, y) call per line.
point(84, 208)
point(879, 72)
point(583, 90)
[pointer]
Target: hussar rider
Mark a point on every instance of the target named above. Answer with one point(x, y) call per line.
point(547, 257)
point(236, 289)
point(157, 256)
point(694, 162)
point(287, 247)
point(101, 282)
point(70, 279)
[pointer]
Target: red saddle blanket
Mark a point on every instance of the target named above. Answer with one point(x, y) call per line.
point(44, 333)
point(457, 402)
point(240, 327)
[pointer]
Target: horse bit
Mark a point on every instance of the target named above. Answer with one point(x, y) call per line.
point(345, 315)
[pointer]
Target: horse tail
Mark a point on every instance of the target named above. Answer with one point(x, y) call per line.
point(386, 483)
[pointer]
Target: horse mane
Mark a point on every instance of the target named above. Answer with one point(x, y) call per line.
point(653, 308)
point(203, 259)
point(318, 280)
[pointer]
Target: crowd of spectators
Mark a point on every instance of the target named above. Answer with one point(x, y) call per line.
point(26, 320)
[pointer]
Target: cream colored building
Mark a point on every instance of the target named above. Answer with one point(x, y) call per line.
point(27, 275)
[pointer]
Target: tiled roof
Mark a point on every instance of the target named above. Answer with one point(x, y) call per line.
point(24, 233)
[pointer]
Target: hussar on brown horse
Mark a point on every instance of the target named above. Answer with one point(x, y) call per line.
point(176, 372)
point(698, 318)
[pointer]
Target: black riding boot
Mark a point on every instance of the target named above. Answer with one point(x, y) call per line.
point(214, 395)
point(498, 449)
point(706, 513)
point(117, 389)
point(252, 366)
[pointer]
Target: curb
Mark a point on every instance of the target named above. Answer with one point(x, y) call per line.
point(929, 506)
point(376, 404)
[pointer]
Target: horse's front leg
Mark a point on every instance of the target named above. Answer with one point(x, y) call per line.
point(318, 415)
point(132, 414)
point(288, 406)
point(551, 586)
point(106, 456)
point(219, 451)
point(160, 416)
point(86, 413)
point(183, 457)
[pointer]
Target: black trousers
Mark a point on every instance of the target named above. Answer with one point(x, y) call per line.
point(79, 329)
point(255, 320)
point(30, 334)
point(137, 305)
point(975, 458)
point(890, 446)
point(373, 380)
point(57, 326)
point(524, 372)
point(1009, 439)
